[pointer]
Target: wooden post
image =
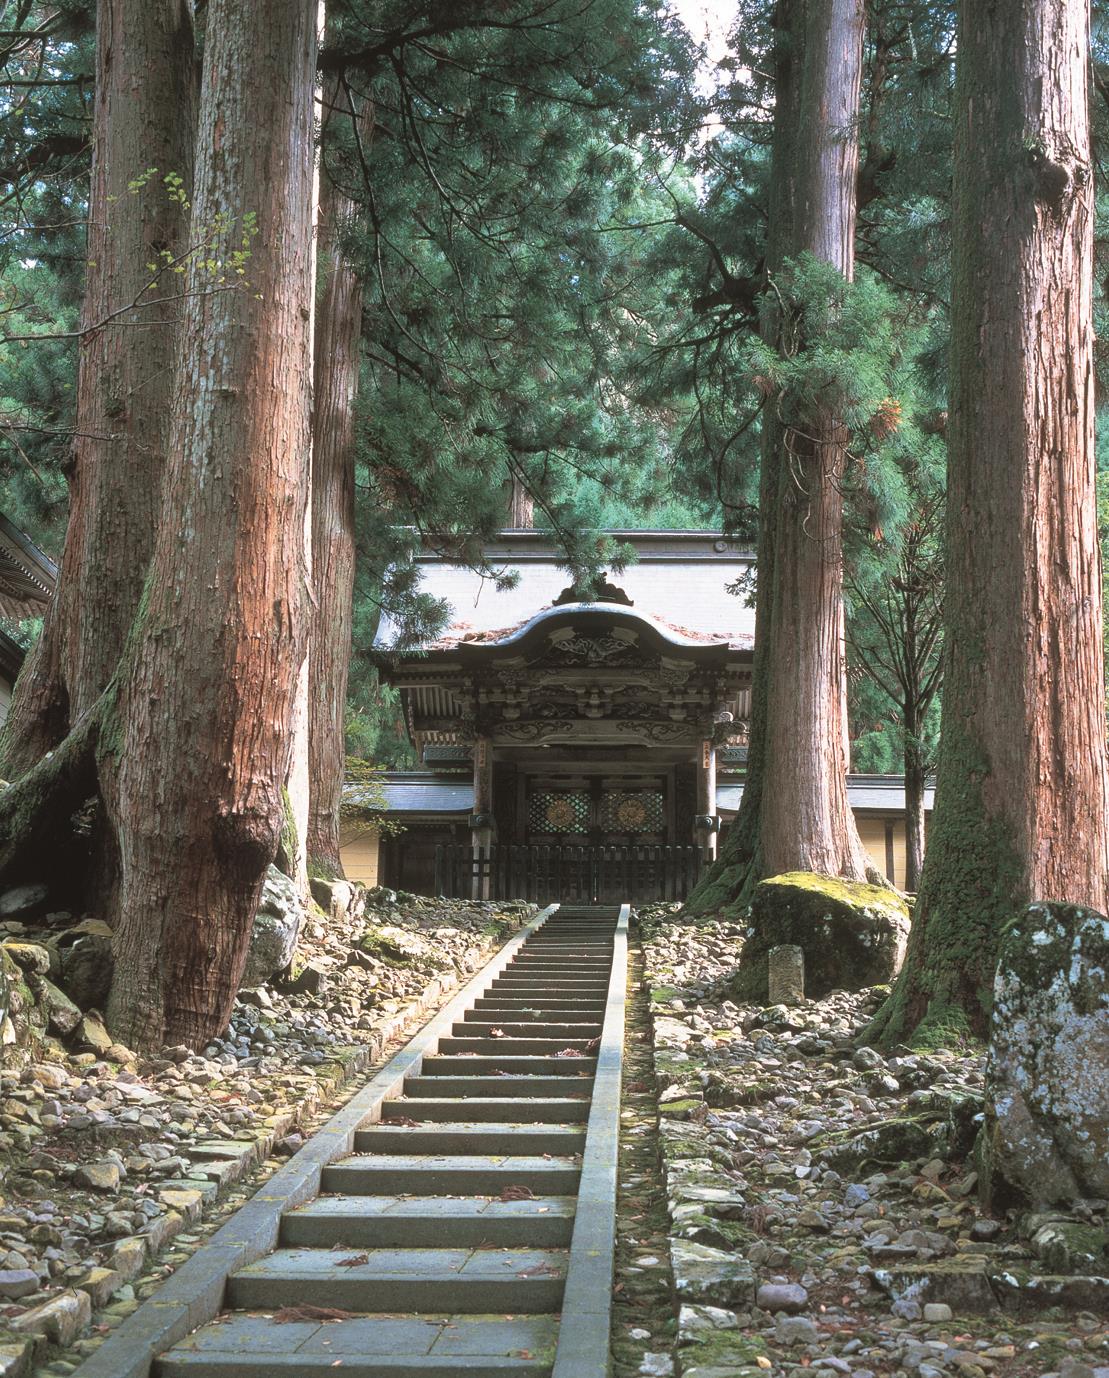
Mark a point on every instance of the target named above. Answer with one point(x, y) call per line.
point(481, 820)
point(706, 822)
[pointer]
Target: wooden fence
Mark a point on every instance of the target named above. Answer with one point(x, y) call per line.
point(585, 875)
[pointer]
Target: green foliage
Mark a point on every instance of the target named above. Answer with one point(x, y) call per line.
point(364, 802)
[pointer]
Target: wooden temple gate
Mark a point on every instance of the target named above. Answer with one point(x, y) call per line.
point(584, 874)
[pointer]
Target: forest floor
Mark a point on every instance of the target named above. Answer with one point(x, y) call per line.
point(811, 1203)
point(116, 1165)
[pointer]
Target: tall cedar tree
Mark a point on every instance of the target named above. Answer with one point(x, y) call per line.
point(338, 356)
point(1021, 790)
point(795, 814)
point(144, 117)
point(197, 747)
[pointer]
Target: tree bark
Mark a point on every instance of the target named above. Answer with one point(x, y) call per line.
point(144, 117)
point(915, 781)
point(794, 814)
point(194, 757)
point(1021, 790)
point(338, 357)
point(521, 507)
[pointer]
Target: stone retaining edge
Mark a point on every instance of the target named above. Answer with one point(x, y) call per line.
point(584, 1331)
point(193, 1296)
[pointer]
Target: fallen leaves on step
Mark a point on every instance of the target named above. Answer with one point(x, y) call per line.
point(289, 1314)
point(497, 1033)
point(593, 1044)
point(354, 1261)
point(517, 1194)
point(570, 1052)
point(541, 1270)
point(404, 1121)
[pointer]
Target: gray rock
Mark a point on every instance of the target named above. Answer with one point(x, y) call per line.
point(98, 1176)
point(700, 1322)
point(1047, 1079)
point(856, 1195)
point(276, 929)
point(335, 897)
point(790, 1297)
point(961, 1282)
point(795, 1330)
point(1071, 1246)
point(710, 1277)
point(61, 1319)
point(936, 1311)
point(62, 1014)
point(22, 899)
point(86, 974)
point(18, 1282)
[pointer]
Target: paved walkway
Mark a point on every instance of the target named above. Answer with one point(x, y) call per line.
point(445, 1241)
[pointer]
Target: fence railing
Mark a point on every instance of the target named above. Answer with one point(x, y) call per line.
point(585, 874)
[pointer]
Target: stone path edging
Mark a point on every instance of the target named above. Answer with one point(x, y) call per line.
point(583, 1343)
point(194, 1294)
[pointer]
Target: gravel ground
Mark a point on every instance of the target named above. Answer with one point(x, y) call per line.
point(822, 1200)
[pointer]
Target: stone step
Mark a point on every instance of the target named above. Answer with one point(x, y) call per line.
point(502, 1087)
point(565, 961)
point(446, 1065)
point(429, 1221)
point(552, 1110)
point(561, 980)
point(527, 1281)
point(567, 947)
point(441, 1245)
point(466, 1136)
point(540, 979)
point(245, 1345)
point(556, 1000)
point(590, 1002)
point(571, 1014)
point(536, 1028)
point(490, 1046)
point(454, 1174)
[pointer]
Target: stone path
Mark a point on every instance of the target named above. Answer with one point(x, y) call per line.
point(450, 1240)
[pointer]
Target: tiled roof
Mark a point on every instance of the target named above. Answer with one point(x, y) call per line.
point(27, 574)
point(412, 792)
point(874, 793)
point(681, 580)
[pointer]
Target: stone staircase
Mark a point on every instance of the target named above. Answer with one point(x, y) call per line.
point(445, 1240)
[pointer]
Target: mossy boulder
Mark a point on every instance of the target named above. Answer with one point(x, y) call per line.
point(394, 945)
point(852, 935)
point(1047, 1073)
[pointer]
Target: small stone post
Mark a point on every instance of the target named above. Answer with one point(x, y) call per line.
point(786, 973)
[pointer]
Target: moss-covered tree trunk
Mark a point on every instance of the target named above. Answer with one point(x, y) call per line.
point(1021, 791)
point(194, 756)
point(338, 356)
point(795, 814)
point(144, 118)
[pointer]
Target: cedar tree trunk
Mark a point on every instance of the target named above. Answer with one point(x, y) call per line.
point(144, 117)
point(1020, 801)
point(338, 333)
point(195, 750)
point(915, 780)
point(795, 814)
